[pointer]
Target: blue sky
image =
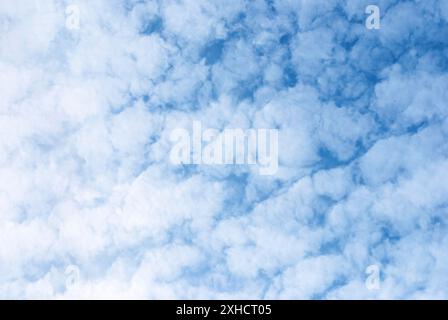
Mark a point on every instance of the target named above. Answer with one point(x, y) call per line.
point(86, 184)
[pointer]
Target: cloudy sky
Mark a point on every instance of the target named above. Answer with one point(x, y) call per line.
point(92, 207)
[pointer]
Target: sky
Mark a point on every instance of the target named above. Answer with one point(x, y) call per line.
point(92, 208)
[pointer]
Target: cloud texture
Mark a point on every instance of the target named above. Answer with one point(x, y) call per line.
point(85, 177)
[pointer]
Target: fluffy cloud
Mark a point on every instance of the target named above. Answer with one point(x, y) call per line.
point(91, 206)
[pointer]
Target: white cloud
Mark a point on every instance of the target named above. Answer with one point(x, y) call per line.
point(85, 177)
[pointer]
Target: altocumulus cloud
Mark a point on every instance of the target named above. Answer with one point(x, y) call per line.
point(87, 191)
